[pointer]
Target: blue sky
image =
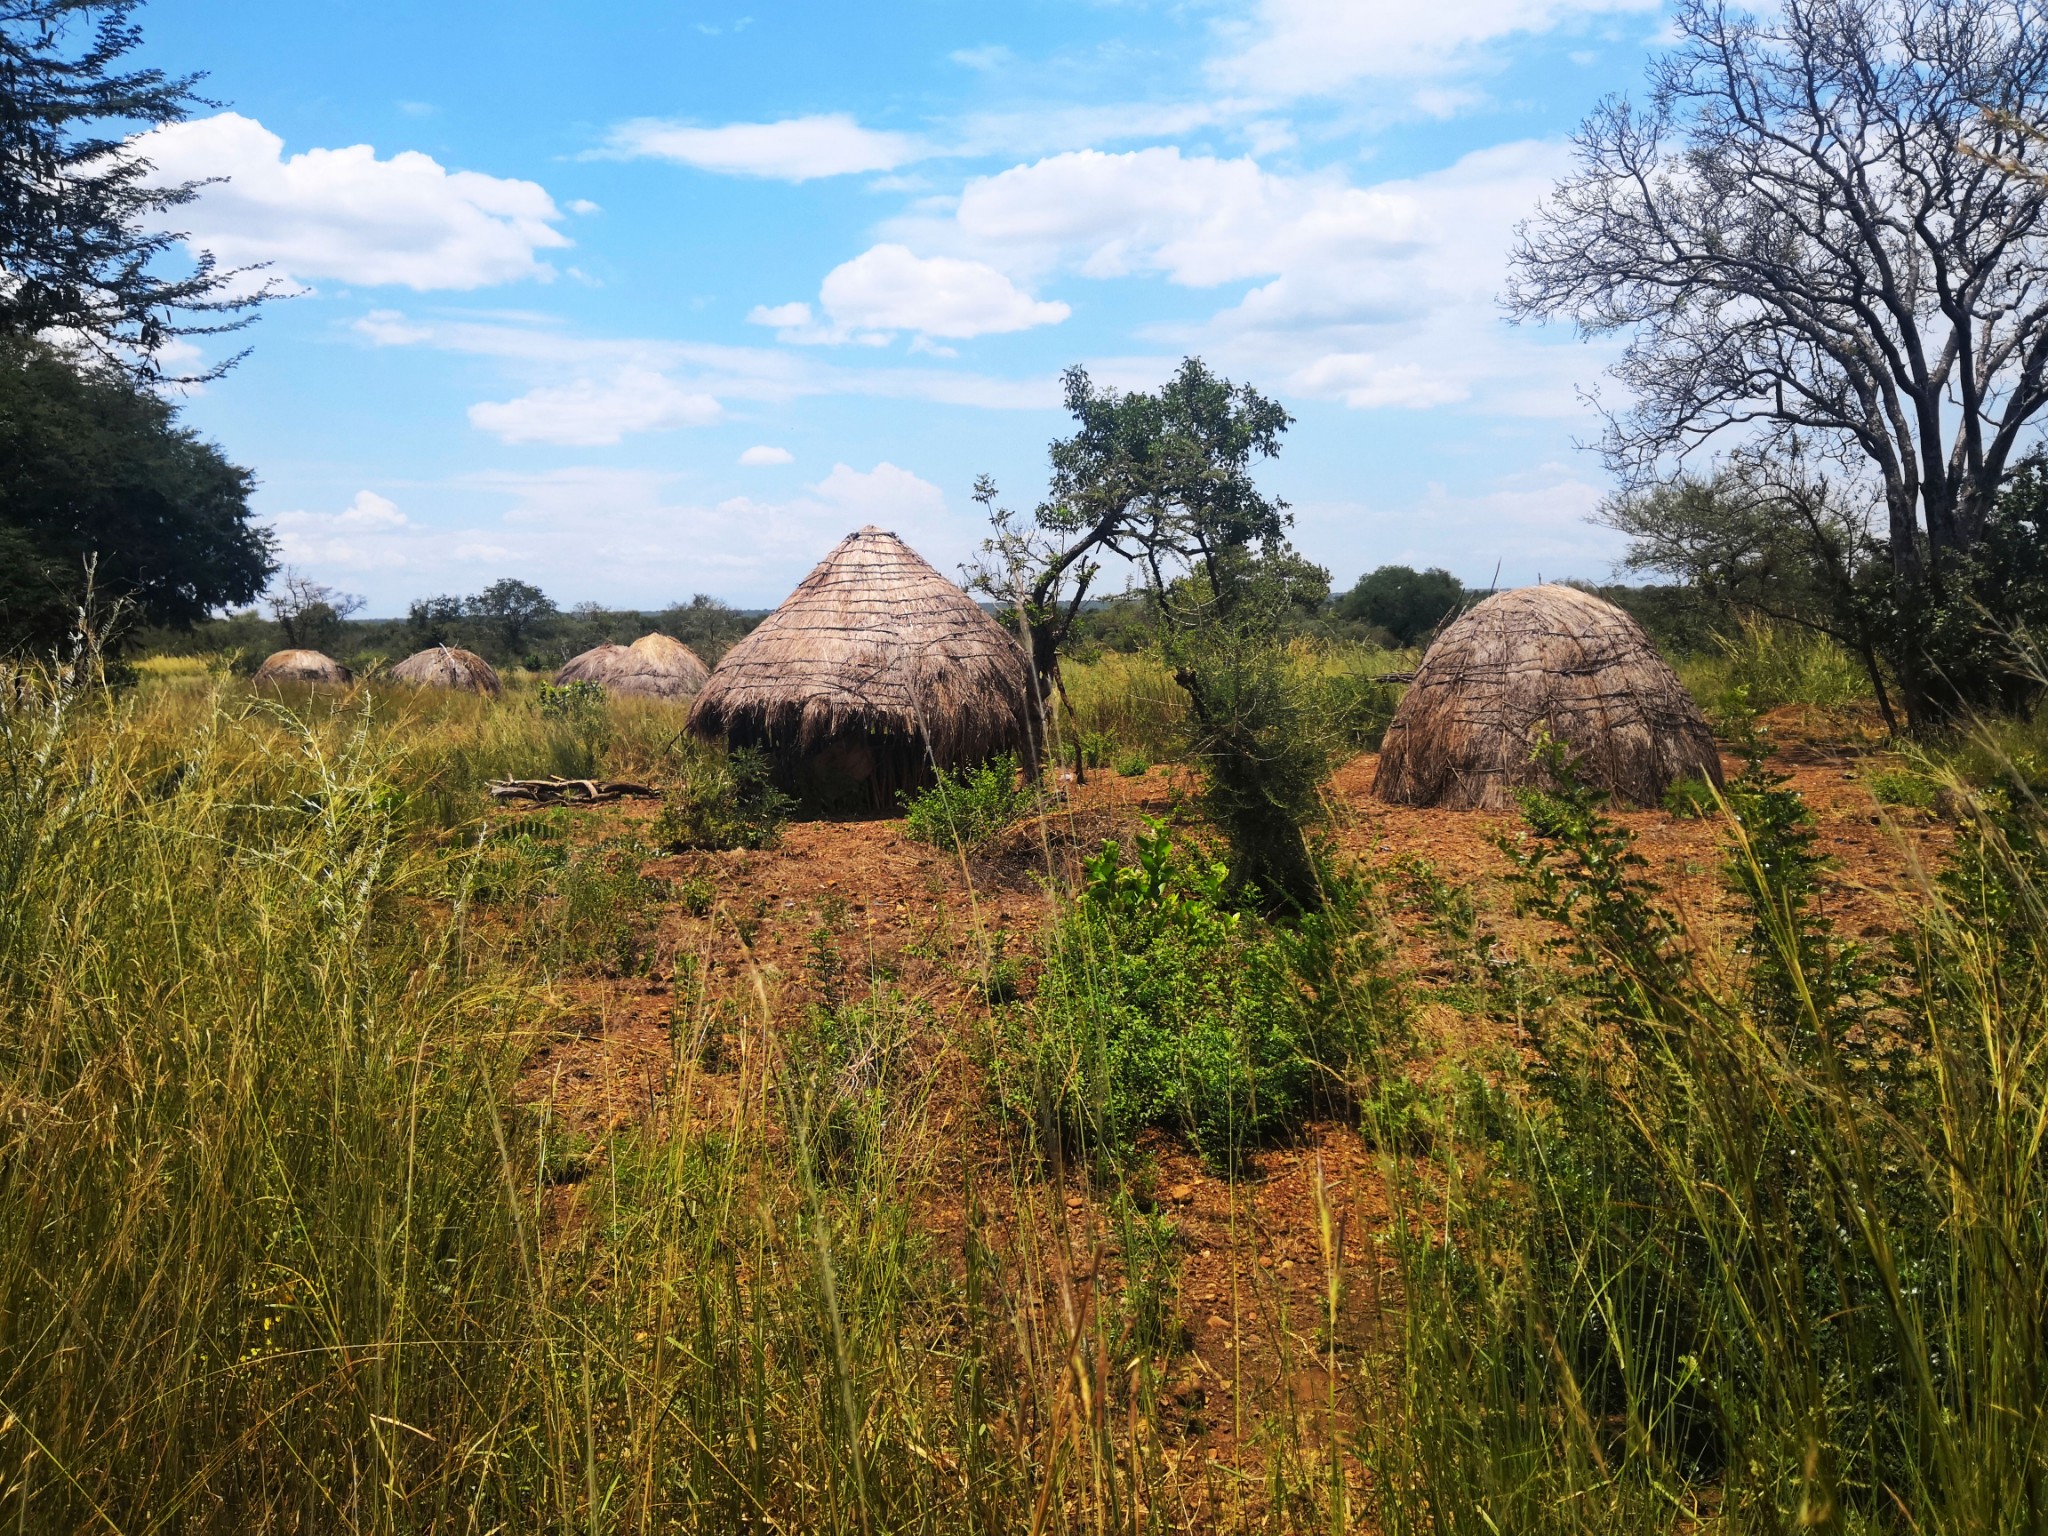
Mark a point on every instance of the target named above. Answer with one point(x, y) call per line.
point(636, 300)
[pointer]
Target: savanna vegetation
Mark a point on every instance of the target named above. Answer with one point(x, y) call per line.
point(1154, 1135)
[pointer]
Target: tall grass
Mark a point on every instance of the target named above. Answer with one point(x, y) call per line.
point(1760, 1237)
point(293, 1238)
point(256, 1256)
point(1761, 665)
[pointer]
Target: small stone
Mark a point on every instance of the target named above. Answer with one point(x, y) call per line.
point(1073, 1202)
point(1182, 1192)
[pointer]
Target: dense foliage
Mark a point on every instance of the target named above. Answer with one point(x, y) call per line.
point(84, 239)
point(1408, 604)
point(95, 469)
point(1163, 1005)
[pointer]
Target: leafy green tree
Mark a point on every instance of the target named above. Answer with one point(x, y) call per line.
point(84, 247)
point(1408, 604)
point(433, 620)
point(512, 610)
point(1766, 536)
point(94, 468)
point(1163, 481)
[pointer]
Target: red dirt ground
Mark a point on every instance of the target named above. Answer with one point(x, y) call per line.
point(1253, 1271)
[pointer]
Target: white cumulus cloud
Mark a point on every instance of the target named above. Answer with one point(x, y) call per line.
point(793, 149)
point(592, 412)
point(346, 215)
point(766, 453)
point(889, 289)
point(886, 288)
point(1313, 47)
point(365, 535)
point(1376, 295)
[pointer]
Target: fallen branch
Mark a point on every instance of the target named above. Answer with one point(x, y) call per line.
point(574, 791)
point(1395, 677)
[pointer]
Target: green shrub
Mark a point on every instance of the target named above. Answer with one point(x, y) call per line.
point(571, 702)
point(969, 808)
point(1098, 748)
point(1763, 1223)
point(1358, 709)
point(1158, 1005)
point(1901, 786)
point(722, 800)
point(1134, 765)
point(1258, 729)
point(1691, 799)
point(598, 912)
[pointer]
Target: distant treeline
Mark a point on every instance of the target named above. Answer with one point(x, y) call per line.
point(509, 624)
point(1396, 606)
point(512, 623)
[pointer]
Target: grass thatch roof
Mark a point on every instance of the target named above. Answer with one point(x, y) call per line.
point(873, 642)
point(448, 666)
point(302, 667)
point(1548, 658)
point(655, 666)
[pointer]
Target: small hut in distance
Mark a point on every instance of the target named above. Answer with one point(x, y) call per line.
point(307, 668)
point(656, 666)
point(876, 669)
point(448, 666)
point(1542, 659)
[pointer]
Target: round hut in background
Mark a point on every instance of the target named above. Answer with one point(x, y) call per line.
point(655, 666)
point(1534, 660)
point(874, 670)
point(304, 667)
point(448, 666)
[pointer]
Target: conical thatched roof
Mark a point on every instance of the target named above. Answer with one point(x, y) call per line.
point(656, 666)
point(448, 666)
point(873, 642)
point(302, 667)
point(1548, 658)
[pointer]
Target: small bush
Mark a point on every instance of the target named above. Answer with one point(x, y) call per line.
point(694, 893)
point(969, 808)
point(1158, 1005)
point(1134, 765)
point(722, 800)
point(1098, 748)
point(1903, 787)
point(571, 703)
point(1358, 708)
point(1691, 800)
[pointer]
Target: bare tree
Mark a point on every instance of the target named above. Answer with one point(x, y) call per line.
point(1821, 224)
point(308, 612)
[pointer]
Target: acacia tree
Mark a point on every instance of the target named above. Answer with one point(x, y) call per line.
point(83, 218)
point(1163, 481)
point(309, 612)
point(1821, 224)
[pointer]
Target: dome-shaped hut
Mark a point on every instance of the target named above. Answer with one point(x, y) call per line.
point(656, 666)
point(448, 666)
point(306, 667)
point(1542, 659)
point(873, 669)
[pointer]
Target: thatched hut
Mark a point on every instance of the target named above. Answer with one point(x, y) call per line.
point(656, 666)
point(874, 669)
point(307, 667)
point(1542, 659)
point(448, 666)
